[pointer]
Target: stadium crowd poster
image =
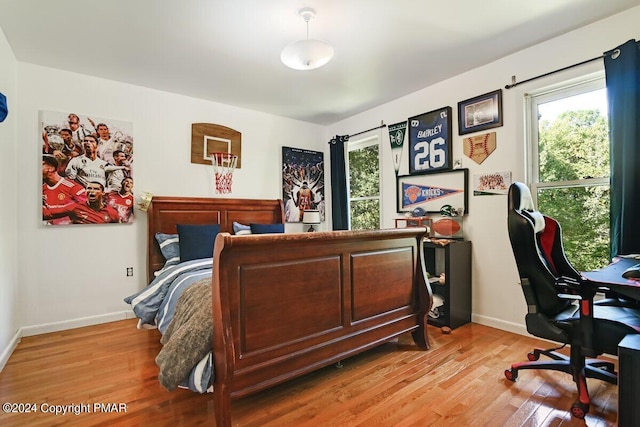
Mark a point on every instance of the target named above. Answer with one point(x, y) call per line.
point(432, 191)
point(302, 182)
point(491, 184)
point(87, 169)
point(396, 139)
point(430, 141)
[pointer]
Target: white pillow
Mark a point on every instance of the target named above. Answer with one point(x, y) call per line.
point(240, 229)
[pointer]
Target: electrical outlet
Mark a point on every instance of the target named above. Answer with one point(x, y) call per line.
point(129, 271)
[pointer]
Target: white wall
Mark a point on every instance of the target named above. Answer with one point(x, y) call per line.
point(497, 298)
point(9, 322)
point(76, 274)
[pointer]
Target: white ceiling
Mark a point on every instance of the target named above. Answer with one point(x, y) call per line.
point(228, 51)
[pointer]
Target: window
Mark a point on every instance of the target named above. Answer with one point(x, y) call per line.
point(363, 165)
point(569, 166)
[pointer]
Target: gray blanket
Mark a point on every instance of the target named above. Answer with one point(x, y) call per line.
point(189, 336)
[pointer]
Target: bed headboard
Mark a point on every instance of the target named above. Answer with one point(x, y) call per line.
point(165, 213)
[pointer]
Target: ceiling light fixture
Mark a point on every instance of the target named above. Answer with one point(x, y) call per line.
point(307, 54)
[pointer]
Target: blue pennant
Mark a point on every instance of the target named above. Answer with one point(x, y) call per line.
point(413, 194)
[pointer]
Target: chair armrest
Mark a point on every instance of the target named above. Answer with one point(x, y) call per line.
point(578, 289)
point(572, 297)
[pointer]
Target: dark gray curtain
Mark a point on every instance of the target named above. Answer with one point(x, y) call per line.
point(339, 205)
point(622, 68)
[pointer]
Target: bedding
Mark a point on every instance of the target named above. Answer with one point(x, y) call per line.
point(240, 229)
point(157, 305)
point(188, 340)
point(170, 248)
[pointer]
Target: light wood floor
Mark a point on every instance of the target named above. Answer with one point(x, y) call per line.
point(458, 382)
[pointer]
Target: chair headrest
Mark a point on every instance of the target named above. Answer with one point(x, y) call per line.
point(520, 200)
point(520, 197)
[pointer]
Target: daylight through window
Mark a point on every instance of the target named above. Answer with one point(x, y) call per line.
point(363, 164)
point(569, 166)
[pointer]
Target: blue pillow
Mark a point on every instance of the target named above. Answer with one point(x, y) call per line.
point(170, 249)
point(266, 228)
point(196, 241)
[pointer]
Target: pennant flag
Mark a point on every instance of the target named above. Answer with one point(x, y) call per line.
point(413, 194)
point(396, 138)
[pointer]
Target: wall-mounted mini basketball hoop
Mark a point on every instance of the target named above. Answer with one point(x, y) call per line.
point(223, 166)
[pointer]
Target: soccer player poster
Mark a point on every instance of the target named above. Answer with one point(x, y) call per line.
point(302, 182)
point(87, 169)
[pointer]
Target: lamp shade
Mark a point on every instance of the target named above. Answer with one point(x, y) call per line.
point(306, 54)
point(311, 217)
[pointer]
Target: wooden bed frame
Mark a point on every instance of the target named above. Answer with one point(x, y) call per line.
point(286, 304)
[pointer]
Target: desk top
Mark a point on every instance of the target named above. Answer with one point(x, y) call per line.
point(612, 275)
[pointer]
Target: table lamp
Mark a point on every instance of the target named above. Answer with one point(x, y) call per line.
point(311, 218)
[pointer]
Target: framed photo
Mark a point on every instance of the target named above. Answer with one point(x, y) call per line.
point(480, 113)
point(432, 191)
point(493, 183)
point(430, 141)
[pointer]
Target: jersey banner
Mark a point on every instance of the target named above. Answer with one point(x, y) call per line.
point(302, 182)
point(396, 139)
point(430, 141)
point(87, 169)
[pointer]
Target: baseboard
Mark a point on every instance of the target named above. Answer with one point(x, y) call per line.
point(516, 328)
point(27, 331)
point(4, 357)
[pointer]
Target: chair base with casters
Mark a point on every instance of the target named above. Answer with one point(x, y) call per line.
point(593, 368)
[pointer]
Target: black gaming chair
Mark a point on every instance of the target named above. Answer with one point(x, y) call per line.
point(561, 304)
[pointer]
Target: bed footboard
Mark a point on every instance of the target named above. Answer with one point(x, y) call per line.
point(286, 304)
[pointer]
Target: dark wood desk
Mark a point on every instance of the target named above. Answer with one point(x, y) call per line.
point(611, 275)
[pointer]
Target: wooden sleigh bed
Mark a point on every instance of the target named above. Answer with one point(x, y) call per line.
point(286, 304)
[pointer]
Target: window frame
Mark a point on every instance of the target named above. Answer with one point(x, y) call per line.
point(358, 144)
point(576, 86)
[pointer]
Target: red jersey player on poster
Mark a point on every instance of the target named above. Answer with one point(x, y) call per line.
point(305, 198)
point(122, 200)
point(94, 211)
point(58, 191)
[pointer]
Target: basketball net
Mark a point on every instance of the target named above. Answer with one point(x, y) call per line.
point(223, 166)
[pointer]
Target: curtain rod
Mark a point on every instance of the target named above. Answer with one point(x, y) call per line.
point(513, 78)
point(382, 125)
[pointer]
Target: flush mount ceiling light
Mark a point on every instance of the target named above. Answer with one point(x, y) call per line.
point(307, 54)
